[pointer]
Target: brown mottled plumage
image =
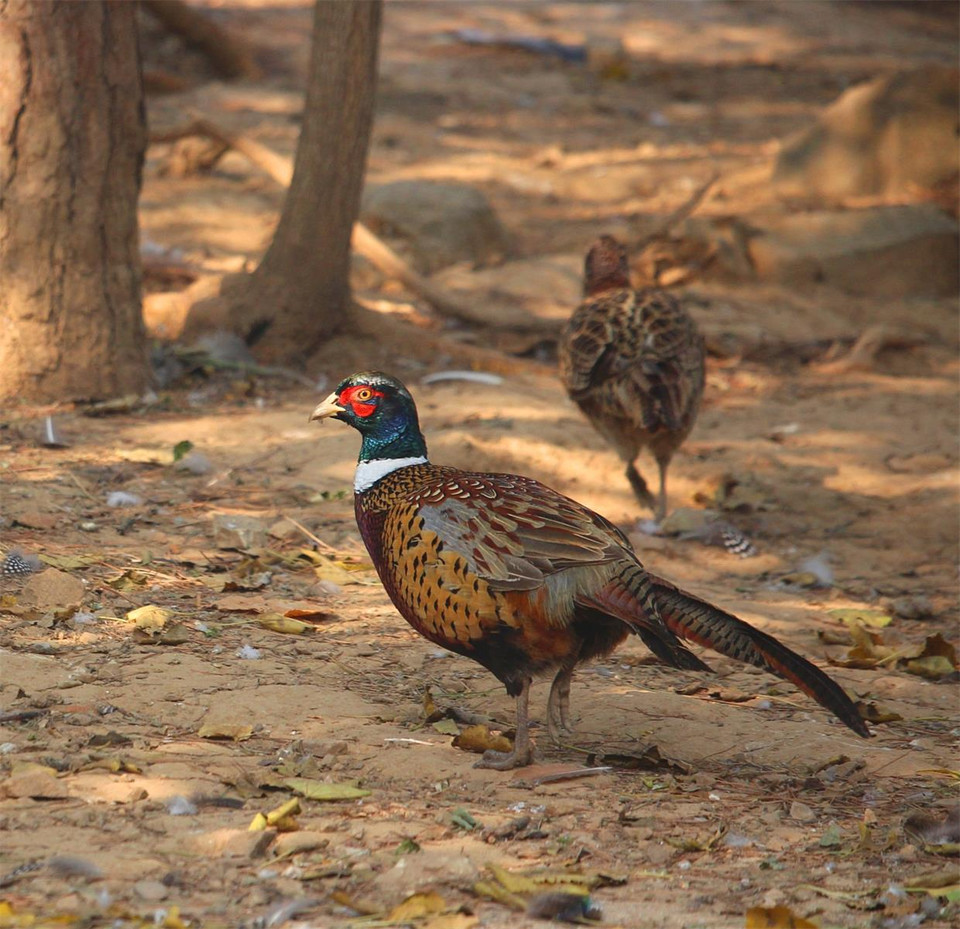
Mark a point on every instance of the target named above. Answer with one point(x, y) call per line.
point(633, 361)
point(520, 578)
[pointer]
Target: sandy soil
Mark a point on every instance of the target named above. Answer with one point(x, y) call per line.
point(132, 760)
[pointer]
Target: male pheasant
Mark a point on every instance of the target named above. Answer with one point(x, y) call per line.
point(633, 361)
point(520, 578)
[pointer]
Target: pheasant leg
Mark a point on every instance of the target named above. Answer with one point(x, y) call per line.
point(639, 486)
point(522, 753)
point(661, 508)
point(558, 705)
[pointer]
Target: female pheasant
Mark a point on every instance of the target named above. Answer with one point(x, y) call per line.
point(520, 578)
point(633, 361)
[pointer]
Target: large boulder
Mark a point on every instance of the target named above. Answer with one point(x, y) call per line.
point(889, 251)
point(889, 137)
point(434, 225)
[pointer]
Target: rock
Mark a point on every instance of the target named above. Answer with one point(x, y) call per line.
point(151, 891)
point(657, 854)
point(233, 843)
point(36, 783)
point(427, 869)
point(887, 137)
point(245, 533)
point(917, 606)
point(888, 251)
point(437, 224)
point(536, 294)
point(802, 813)
point(51, 591)
point(32, 519)
point(292, 843)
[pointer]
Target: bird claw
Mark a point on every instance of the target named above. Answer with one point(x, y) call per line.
point(505, 761)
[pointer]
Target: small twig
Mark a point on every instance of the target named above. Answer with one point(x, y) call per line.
point(311, 536)
point(679, 214)
point(76, 480)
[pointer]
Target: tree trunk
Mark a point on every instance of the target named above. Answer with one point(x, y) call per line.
point(300, 292)
point(72, 139)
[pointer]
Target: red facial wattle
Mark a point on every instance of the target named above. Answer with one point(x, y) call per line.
point(358, 399)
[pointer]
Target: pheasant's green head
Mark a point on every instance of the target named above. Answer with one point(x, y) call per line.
point(381, 409)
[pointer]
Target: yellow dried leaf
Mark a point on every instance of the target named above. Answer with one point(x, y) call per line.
point(149, 617)
point(172, 919)
point(258, 823)
point(290, 808)
point(496, 891)
point(876, 618)
point(329, 570)
point(931, 667)
point(480, 739)
point(416, 906)
point(238, 732)
point(538, 881)
point(776, 917)
point(320, 790)
point(277, 622)
point(451, 921)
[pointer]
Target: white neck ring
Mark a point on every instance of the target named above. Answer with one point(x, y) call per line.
point(369, 472)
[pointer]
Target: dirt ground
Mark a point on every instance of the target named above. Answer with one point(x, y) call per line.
point(134, 756)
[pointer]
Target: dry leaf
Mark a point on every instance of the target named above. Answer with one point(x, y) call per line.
point(873, 713)
point(277, 622)
point(129, 580)
point(149, 617)
point(876, 618)
point(417, 906)
point(938, 658)
point(319, 790)
point(451, 921)
point(931, 667)
point(283, 818)
point(238, 732)
point(478, 739)
point(776, 917)
point(326, 569)
point(310, 615)
point(258, 823)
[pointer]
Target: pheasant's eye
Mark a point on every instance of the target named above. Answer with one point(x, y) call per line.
point(363, 394)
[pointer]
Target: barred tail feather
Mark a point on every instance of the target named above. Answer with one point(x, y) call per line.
point(698, 621)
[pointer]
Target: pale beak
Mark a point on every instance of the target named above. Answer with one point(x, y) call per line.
point(328, 407)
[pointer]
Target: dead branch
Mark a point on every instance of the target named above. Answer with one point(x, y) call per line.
point(678, 215)
point(424, 343)
point(365, 242)
point(229, 55)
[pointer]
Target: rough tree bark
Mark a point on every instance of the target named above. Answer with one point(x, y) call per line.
point(300, 293)
point(72, 138)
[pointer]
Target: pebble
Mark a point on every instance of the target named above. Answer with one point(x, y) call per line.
point(801, 812)
point(151, 891)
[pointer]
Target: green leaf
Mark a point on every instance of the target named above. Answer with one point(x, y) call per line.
point(181, 449)
point(463, 820)
point(320, 790)
point(447, 727)
point(831, 838)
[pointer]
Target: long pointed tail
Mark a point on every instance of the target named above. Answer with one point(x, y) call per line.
point(697, 621)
